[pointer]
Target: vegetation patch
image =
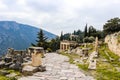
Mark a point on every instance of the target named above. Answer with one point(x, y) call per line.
point(2, 77)
point(7, 78)
point(106, 68)
point(83, 66)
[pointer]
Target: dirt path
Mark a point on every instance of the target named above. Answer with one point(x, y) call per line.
point(58, 68)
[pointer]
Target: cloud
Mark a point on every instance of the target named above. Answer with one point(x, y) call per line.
point(60, 15)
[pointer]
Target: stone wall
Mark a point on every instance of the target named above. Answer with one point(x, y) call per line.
point(113, 42)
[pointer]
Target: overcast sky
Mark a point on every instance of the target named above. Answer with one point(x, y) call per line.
point(60, 15)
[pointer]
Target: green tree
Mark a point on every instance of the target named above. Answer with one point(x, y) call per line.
point(100, 34)
point(41, 41)
point(61, 36)
point(66, 36)
point(92, 31)
point(89, 31)
point(89, 39)
point(54, 44)
point(112, 26)
point(85, 31)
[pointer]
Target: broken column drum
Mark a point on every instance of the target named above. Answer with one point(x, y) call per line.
point(37, 54)
point(36, 59)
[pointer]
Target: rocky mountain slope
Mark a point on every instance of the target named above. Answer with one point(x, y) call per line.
point(113, 42)
point(18, 36)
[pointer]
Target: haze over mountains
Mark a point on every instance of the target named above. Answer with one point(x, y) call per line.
point(18, 36)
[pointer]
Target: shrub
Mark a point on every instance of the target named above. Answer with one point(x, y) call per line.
point(49, 50)
point(89, 39)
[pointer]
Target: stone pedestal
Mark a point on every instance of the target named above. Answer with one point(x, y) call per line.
point(36, 59)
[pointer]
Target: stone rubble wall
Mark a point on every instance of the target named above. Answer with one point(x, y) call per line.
point(113, 43)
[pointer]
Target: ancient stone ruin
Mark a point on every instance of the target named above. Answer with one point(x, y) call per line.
point(26, 61)
point(37, 53)
point(66, 45)
point(92, 58)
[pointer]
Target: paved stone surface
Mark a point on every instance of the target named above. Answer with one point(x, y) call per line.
point(58, 68)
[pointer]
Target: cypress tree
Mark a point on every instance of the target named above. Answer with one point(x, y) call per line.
point(89, 31)
point(61, 37)
point(85, 31)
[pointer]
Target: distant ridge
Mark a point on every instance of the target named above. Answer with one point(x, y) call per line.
point(18, 36)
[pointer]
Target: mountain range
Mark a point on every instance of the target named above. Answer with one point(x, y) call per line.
point(18, 36)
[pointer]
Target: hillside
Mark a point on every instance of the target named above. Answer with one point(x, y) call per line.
point(113, 42)
point(18, 36)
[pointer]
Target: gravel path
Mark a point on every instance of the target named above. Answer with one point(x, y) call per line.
point(58, 68)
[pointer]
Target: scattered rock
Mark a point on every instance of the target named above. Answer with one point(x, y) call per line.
point(76, 61)
point(29, 70)
point(94, 54)
point(104, 60)
point(4, 72)
point(2, 64)
point(85, 51)
point(27, 59)
point(1, 58)
point(42, 68)
point(15, 66)
point(18, 58)
point(12, 75)
point(8, 64)
point(92, 64)
point(73, 51)
point(8, 59)
point(79, 51)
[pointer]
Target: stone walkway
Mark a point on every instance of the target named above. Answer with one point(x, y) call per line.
point(58, 68)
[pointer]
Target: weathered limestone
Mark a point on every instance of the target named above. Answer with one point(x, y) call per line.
point(4, 72)
point(29, 70)
point(36, 59)
point(2, 64)
point(8, 59)
point(79, 51)
point(113, 42)
point(37, 54)
point(11, 75)
point(36, 64)
point(17, 60)
point(11, 52)
point(85, 52)
point(92, 61)
point(16, 66)
point(65, 45)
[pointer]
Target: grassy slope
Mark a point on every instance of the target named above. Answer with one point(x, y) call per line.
point(105, 70)
point(8, 78)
